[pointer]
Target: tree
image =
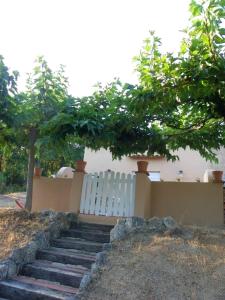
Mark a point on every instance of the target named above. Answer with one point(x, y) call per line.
point(185, 92)
point(8, 89)
point(58, 153)
point(45, 97)
point(13, 161)
point(105, 120)
point(179, 101)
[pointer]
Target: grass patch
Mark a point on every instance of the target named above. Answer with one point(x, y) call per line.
point(148, 267)
point(17, 228)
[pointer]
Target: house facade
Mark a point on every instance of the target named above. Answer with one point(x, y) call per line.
point(190, 167)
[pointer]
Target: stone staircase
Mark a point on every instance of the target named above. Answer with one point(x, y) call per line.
point(57, 271)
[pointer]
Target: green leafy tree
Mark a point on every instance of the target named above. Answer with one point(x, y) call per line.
point(13, 161)
point(55, 153)
point(106, 120)
point(9, 172)
point(179, 101)
point(45, 97)
point(184, 92)
point(8, 89)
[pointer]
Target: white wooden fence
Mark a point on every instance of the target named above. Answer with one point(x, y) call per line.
point(108, 194)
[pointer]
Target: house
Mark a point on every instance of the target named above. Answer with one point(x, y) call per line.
point(190, 167)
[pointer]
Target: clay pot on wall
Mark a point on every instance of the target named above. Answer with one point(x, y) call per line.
point(37, 172)
point(217, 176)
point(80, 166)
point(142, 166)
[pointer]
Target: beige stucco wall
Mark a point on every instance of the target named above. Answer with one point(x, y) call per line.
point(143, 191)
point(189, 203)
point(191, 163)
point(51, 193)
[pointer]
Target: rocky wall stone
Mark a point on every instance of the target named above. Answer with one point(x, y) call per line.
point(136, 224)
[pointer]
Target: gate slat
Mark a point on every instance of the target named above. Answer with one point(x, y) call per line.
point(104, 194)
point(117, 192)
point(83, 194)
point(99, 193)
point(111, 192)
point(132, 197)
point(127, 196)
point(88, 193)
point(121, 196)
point(93, 193)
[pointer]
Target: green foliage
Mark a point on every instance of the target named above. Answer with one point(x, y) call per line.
point(178, 103)
point(180, 100)
point(54, 154)
point(7, 91)
point(13, 161)
point(45, 98)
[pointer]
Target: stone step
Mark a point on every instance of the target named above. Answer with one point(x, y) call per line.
point(50, 272)
point(22, 288)
point(92, 226)
point(90, 235)
point(78, 244)
point(66, 256)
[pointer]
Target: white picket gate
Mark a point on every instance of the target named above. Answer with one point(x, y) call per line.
point(108, 194)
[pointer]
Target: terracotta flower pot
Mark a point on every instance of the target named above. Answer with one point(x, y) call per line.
point(37, 172)
point(142, 166)
point(217, 176)
point(80, 166)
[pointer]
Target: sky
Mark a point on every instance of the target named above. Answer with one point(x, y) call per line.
point(95, 39)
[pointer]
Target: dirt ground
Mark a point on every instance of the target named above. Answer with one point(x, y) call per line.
point(148, 267)
point(8, 201)
point(16, 229)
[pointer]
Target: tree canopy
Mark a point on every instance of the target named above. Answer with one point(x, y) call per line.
point(8, 89)
point(185, 91)
point(24, 119)
point(45, 96)
point(179, 101)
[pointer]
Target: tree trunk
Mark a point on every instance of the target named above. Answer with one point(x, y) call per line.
point(1, 159)
point(30, 173)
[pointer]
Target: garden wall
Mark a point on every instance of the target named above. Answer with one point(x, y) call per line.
point(51, 193)
point(192, 203)
point(188, 202)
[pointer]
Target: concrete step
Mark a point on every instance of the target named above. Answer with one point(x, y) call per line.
point(79, 244)
point(90, 235)
point(22, 288)
point(92, 226)
point(51, 272)
point(66, 256)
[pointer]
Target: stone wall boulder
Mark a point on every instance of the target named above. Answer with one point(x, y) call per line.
point(136, 224)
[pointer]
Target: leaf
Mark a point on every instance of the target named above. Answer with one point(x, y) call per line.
point(195, 8)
